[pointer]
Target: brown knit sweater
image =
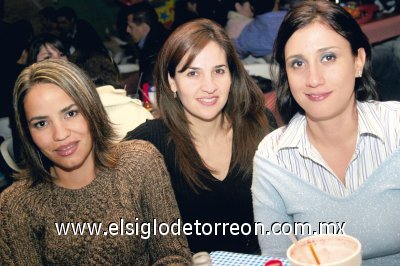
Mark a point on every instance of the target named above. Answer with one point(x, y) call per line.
point(137, 190)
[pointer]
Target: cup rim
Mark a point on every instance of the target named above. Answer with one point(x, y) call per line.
point(312, 237)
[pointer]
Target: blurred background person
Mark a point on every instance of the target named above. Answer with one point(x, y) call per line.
point(48, 21)
point(257, 38)
point(185, 10)
point(46, 46)
point(239, 16)
point(13, 48)
point(215, 10)
point(148, 34)
point(124, 112)
point(78, 34)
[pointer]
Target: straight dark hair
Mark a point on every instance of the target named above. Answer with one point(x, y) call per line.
point(143, 12)
point(74, 82)
point(41, 40)
point(340, 21)
point(244, 109)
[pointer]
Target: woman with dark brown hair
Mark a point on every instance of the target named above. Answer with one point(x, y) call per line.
point(212, 119)
point(336, 161)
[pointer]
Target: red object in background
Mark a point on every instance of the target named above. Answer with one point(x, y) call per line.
point(367, 12)
point(146, 99)
point(274, 263)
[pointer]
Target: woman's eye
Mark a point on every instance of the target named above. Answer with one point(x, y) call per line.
point(297, 64)
point(328, 57)
point(71, 113)
point(191, 73)
point(40, 124)
point(220, 71)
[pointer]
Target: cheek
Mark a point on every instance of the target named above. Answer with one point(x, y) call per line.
point(293, 83)
point(184, 86)
point(84, 128)
point(41, 139)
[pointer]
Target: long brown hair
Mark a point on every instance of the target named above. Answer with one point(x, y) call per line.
point(74, 82)
point(244, 109)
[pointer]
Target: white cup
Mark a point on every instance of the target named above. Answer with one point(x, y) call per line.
point(331, 250)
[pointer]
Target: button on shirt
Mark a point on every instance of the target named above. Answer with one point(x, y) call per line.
point(378, 137)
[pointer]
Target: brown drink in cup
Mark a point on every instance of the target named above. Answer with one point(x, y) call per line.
point(332, 250)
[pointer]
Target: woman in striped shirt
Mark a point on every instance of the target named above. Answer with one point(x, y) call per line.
point(336, 160)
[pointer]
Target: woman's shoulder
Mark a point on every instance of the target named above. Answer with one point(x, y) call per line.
point(20, 194)
point(147, 130)
point(135, 148)
point(137, 160)
point(382, 107)
point(283, 137)
point(384, 114)
point(270, 143)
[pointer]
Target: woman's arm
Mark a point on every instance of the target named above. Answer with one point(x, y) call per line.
point(159, 204)
point(269, 210)
point(18, 242)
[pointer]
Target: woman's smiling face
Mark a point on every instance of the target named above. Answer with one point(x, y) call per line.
point(321, 70)
point(203, 88)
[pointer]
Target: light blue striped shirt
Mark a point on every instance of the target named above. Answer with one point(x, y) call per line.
point(379, 136)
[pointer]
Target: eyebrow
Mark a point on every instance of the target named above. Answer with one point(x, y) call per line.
point(319, 50)
point(217, 66)
point(44, 117)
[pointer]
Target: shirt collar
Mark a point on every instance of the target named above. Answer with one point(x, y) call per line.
point(369, 123)
point(141, 42)
point(293, 132)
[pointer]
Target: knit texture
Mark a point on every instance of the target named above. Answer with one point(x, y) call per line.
point(137, 190)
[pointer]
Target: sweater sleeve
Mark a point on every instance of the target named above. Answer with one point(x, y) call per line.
point(269, 210)
point(18, 243)
point(140, 132)
point(159, 207)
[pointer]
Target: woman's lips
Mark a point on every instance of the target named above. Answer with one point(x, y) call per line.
point(66, 150)
point(208, 101)
point(318, 96)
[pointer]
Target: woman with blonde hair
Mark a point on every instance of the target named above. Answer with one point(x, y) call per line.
point(80, 198)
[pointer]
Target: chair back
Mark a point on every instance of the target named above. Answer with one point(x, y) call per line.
point(262, 70)
point(7, 153)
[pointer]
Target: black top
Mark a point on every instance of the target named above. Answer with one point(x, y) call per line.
point(229, 201)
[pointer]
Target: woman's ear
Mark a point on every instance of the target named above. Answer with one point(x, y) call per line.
point(360, 62)
point(172, 83)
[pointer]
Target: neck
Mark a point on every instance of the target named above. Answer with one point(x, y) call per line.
point(208, 131)
point(335, 131)
point(76, 178)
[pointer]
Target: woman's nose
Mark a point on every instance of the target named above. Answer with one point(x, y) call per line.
point(60, 131)
point(209, 85)
point(314, 76)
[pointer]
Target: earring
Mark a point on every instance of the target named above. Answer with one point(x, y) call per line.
point(359, 74)
point(174, 94)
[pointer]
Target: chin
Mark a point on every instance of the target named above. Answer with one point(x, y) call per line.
point(70, 165)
